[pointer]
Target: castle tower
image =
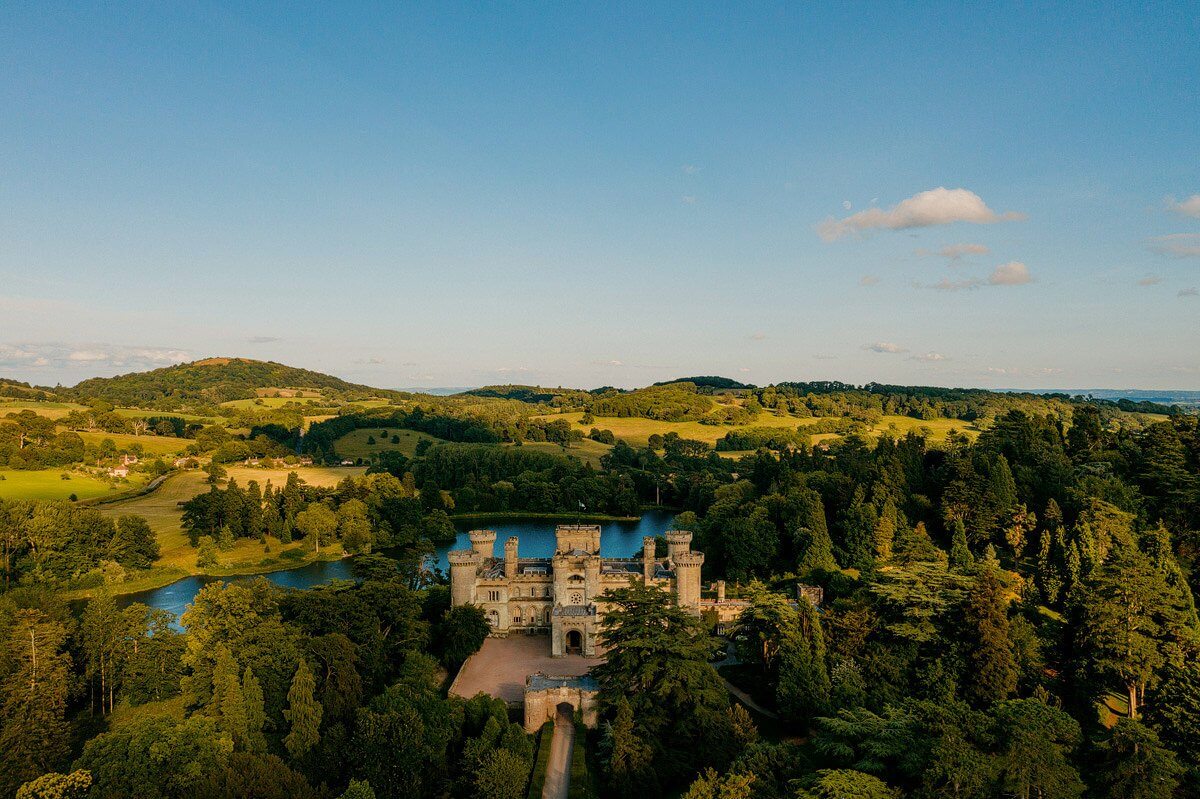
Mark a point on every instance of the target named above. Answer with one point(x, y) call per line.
point(484, 544)
point(648, 559)
point(464, 567)
point(583, 538)
point(720, 590)
point(678, 542)
point(510, 557)
point(687, 580)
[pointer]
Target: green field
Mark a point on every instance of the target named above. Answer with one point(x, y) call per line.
point(151, 445)
point(637, 431)
point(48, 484)
point(354, 444)
point(162, 510)
point(52, 410)
point(587, 450)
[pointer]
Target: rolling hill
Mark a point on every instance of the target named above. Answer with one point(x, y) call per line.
point(211, 381)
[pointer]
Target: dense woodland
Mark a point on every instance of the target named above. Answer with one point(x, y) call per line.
point(1009, 615)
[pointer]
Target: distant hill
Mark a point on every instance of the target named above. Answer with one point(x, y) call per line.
point(534, 394)
point(708, 381)
point(210, 381)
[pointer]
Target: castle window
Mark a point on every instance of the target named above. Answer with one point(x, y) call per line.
point(494, 596)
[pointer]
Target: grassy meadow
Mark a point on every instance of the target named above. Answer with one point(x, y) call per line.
point(163, 510)
point(151, 445)
point(587, 450)
point(48, 484)
point(354, 444)
point(637, 431)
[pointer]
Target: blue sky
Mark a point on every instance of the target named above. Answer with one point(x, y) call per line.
point(589, 194)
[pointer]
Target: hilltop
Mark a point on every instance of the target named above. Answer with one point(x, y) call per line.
point(211, 381)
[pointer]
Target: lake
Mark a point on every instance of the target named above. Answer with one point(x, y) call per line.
point(619, 540)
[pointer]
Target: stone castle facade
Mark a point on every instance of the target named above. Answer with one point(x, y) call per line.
point(561, 595)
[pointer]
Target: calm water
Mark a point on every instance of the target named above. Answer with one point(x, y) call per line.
point(619, 540)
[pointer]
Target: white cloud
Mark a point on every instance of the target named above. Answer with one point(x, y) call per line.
point(1188, 207)
point(375, 362)
point(956, 252)
point(1047, 370)
point(940, 206)
point(868, 280)
point(262, 339)
point(885, 347)
point(1013, 273)
point(744, 369)
point(758, 336)
point(90, 356)
point(1177, 245)
point(929, 357)
point(847, 205)
point(825, 357)
point(689, 199)
point(689, 169)
point(1150, 280)
point(1190, 292)
point(946, 284)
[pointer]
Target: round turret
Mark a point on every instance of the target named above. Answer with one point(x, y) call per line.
point(483, 542)
point(464, 567)
point(687, 579)
point(678, 542)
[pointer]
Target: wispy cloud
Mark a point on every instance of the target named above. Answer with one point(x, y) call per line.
point(758, 336)
point(1177, 245)
point(956, 252)
point(1150, 280)
point(1187, 207)
point(868, 280)
point(62, 355)
point(929, 357)
point(1189, 292)
point(886, 347)
point(940, 206)
point(946, 284)
point(1013, 273)
point(262, 339)
point(825, 357)
point(688, 199)
point(689, 169)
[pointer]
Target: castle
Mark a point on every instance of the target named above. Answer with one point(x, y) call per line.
point(561, 594)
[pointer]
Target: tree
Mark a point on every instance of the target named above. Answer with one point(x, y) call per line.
point(1133, 764)
point(57, 786)
point(991, 673)
point(1129, 621)
point(1034, 742)
point(228, 704)
point(657, 661)
point(462, 632)
point(303, 713)
point(358, 789)
point(627, 758)
point(134, 543)
point(317, 521)
point(846, 784)
point(34, 671)
point(256, 713)
point(501, 775)
point(960, 554)
point(710, 785)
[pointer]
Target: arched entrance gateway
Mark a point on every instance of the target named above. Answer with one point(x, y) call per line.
point(546, 698)
point(574, 642)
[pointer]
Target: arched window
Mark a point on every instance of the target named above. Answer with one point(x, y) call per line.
point(547, 615)
point(516, 618)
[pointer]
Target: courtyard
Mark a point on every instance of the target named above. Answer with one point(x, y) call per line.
point(501, 665)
